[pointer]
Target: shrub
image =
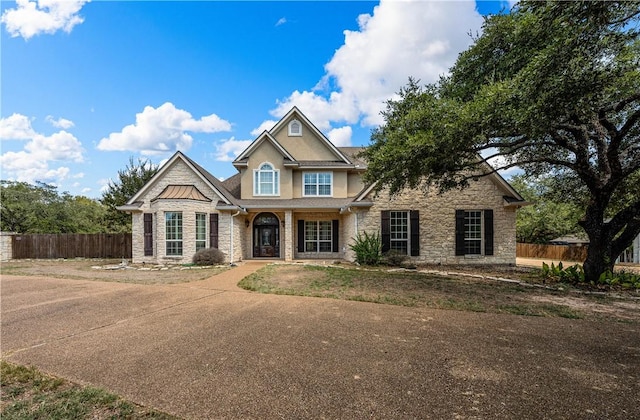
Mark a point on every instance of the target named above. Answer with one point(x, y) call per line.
point(368, 248)
point(208, 256)
point(394, 258)
point(575, 274)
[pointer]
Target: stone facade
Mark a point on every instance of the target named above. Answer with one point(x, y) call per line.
point(6, 249)
point(237, 203)
point(178, 174)
point(437, 221)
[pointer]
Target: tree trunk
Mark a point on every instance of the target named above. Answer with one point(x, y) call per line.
point(599, 255)
point(599, 260)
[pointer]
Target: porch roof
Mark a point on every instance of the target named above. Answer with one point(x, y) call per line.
point(302, 203)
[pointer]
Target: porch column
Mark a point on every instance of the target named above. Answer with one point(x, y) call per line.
point(288, 235)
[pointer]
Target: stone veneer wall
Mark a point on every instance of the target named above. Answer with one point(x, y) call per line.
point(6, 248)
point(178, 174)
point(437, 222)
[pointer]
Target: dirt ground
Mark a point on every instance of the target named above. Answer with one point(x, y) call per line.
point(109, 270)
point(457, 288)
point(465, 293)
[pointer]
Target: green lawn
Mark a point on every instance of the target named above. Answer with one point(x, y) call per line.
point(30, 394)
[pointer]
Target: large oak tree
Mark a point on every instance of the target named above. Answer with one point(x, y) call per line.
point(552, 88)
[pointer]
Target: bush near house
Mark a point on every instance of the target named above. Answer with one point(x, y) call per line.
point(209, 256)
point(368, 248)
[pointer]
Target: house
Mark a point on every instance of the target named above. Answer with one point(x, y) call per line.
point(297, 196)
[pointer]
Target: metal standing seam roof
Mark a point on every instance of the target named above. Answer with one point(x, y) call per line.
point(184, 192)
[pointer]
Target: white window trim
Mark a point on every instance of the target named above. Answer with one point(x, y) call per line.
point(407, 240)
point(481, 239)
point(304, 194)
point(206, 230)
point(318, 241)
point(292, 134)
point(276, 185)
point(166, 232)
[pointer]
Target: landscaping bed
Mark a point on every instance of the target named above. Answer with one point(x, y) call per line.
point(110, 270)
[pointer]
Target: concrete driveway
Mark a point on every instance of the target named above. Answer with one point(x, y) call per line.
point(209, 350)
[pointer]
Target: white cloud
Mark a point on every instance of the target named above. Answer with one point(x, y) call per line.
point(16, 127)
point(228, 150)
point(265, 126)
point(60, 122)
point(281, 21)
point(32, 18)
point(162, 129)
point(421, 39)
point(340, 136)
point(85, 190)
point(32, 163)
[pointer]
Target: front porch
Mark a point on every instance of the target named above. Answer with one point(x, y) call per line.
point(296, 235)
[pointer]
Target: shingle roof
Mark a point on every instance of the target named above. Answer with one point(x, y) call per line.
point(213, 180)
point(232, 184)
point(351, 153)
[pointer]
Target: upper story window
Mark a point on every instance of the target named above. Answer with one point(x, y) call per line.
point(266, 180)
point(295, 128)
point(317, 184)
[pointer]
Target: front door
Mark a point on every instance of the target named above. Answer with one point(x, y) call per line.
point(266, 236)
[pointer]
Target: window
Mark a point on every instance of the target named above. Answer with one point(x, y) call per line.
point(295, 128)
point(474, 232)
point(318, 236)
point(399, 230)
point(266, 180)
point(201, 231)
point(317, 184)
point(173, 228)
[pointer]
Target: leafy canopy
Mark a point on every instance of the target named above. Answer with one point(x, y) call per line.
point(40, 208)
point(130, 180)
point(552, 88)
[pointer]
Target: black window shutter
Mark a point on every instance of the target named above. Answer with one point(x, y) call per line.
point(213, 230)
point(148, 234)
point(300, 235)
point(488, 232)
point(459, 232)
point(335, 224)
point(386, 231)
point(414, 218)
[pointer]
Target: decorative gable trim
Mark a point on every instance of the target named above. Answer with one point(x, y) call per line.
point(197, 170)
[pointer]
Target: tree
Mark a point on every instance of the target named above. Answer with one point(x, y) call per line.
point(130, 180)
point(548, 217)
point(39, 208)
point(552, 88)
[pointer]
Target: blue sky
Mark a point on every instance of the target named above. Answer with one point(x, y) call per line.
point(86, 85)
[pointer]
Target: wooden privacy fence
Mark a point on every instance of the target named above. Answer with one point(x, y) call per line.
point(72, 245)
point(552, 252)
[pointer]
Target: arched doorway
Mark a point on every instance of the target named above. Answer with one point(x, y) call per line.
point(266, 236)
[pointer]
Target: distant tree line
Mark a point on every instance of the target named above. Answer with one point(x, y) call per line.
point(41, 208)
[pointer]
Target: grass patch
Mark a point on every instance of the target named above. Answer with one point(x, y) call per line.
point(30, 394)
point(416, 289)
